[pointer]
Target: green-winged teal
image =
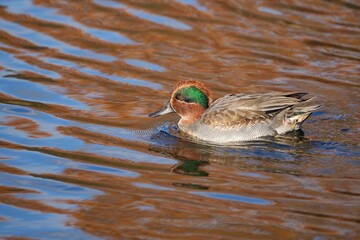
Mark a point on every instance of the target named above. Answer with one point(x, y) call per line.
point(235, 117)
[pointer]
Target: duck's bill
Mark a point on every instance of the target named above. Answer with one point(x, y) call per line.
point(165, 110)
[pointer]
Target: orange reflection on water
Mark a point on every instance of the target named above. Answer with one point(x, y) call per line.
point(81, 159)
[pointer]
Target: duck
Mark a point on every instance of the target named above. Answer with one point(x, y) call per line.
point(235, 117)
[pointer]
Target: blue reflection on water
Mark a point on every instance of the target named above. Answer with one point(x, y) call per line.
point(49, 14)
point(43, 163)
point(124, 153)
point(40, 39)
point(193, 3)
point(116, 78)
point(165, 21)
point(60, 141)
point(69, 143)
point(144, 64)
point(233, 197)
point(270, 11)
point(9, 62)
point(47, 187)
point(98, 73)
point(107, 3)
point(27, 223)
point(36, 92)
point(253, 175)
point(48, 191)
point(152, 186)
point(49, 123)
point(60, 62)
point(160, 19)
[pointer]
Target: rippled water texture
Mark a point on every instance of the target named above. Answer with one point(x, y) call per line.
point(80, 159)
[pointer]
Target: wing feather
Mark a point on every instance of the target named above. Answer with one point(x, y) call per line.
point(235, 110)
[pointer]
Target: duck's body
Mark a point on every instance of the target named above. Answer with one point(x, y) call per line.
point(235, 117)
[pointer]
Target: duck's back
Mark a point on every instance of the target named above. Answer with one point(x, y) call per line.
point(242, 117)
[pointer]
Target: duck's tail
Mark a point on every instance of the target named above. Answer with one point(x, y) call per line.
point(300, 114)
point(294, 116)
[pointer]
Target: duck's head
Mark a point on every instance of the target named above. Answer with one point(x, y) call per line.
point(189, 99)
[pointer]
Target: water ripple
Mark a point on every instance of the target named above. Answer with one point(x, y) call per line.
point(233, 197)
point(95, 72)
point(81, 159)
point(17, 224)
point(144, 65)
point(165, 21)
point(47, 41)
point(159, 19)
point(36, 92)
point(14, 64)
point(48, 14)
point(46, 190)
point(193, 3)
point(55, 165)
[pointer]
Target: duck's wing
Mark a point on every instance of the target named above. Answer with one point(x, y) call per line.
point(241, 110)
point(258, 102)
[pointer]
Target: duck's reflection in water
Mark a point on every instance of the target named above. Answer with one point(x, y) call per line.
point(265, 155)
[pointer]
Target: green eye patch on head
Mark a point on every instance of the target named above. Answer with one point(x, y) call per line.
point(192, 95)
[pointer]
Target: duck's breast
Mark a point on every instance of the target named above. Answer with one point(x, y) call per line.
point(228, 135)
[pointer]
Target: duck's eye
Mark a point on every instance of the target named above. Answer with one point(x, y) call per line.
point(182, 97)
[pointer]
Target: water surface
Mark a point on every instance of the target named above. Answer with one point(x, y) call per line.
point(80, 159)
